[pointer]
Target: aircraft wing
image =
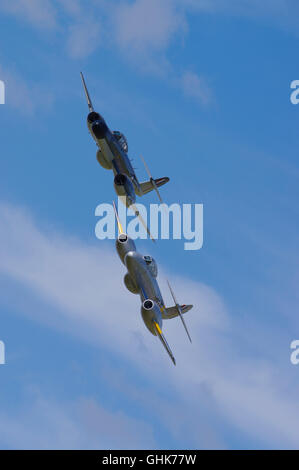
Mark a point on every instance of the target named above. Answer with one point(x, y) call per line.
point(137, 214)
point(89, 103)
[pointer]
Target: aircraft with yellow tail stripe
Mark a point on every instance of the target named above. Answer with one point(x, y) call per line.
point(141, 278)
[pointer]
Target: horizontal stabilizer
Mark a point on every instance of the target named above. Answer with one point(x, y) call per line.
point(172, 312)
point(148, 186)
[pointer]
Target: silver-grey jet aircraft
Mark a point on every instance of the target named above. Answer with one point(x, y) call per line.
point(141, 278)
point(112, 154)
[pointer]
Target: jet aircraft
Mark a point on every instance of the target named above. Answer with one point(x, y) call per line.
point(112, 154)
point(141, 278)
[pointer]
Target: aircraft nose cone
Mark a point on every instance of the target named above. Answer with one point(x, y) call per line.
point(99, 128)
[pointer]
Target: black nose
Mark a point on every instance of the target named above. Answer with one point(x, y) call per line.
point(99, 128)
point(93, 116)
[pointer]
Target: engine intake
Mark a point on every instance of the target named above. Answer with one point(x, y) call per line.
point(148, 304)
point(151, 314)
point(124, 245)
point(124, 188)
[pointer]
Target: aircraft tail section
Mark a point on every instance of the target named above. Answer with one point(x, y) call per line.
point(172, 312)
point(180, 309)
point(148, 186)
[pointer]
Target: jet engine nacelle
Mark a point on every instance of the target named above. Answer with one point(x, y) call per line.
point(102, 160)
point(124, 245)
point(151, 314)
point(124, 187)
point(130, 285)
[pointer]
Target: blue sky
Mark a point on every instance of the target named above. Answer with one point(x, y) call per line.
point(202, 90)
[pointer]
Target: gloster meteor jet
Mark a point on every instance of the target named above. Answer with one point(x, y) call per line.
point(141, 279)
point(112, 154)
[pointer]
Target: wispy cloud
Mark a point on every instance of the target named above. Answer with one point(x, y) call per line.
point(144, 25)
point(22, 95)
point(143, 31)
point(84, 27)
point(196, 87)
point(81, 424)
point(79, 282)
point(83, 38)
point(41, 15)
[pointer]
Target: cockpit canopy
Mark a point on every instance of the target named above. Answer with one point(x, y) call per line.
point(121, 140)
point(152, 265)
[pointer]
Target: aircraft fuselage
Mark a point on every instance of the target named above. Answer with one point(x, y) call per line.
point(111, 155)
point(148, 288)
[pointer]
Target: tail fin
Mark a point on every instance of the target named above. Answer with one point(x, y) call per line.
point(152, 183)
point(137, 213)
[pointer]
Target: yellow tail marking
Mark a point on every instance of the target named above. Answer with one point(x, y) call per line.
point(158, 328)
point(120, 229)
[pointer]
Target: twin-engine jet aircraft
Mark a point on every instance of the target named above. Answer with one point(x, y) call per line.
point(113, 155)
point(141, 279)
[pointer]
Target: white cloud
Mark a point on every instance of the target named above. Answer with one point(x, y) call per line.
point(24, 96)
point(144, 25)
point(196, 87)
point(83, 38)
point(82, 424)
point(143, 30)
point(83, 31)
point(80, 282)
point(41, 15)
